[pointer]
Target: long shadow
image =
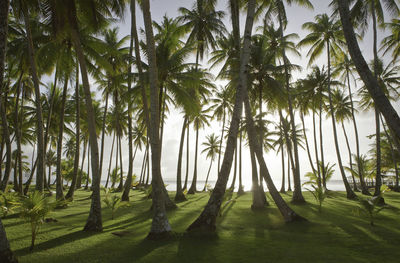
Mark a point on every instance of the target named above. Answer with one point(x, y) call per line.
point(192, 200)
point(52, 243)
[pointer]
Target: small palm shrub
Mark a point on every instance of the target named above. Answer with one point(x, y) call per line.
point(34, 208)
point(113, 202)
point(7, 202)
point(319, 194)
point(370, 207)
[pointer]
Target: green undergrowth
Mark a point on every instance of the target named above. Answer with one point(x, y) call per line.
point(335, 235)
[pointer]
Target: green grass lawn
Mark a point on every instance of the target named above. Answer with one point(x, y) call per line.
point(335, 235)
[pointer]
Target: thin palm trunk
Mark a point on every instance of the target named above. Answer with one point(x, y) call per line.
point(79, 181)
point(121, 182)
point(208, 174)
point(350, 158)
point(378, 176)
point(71, 190)
point(103, 131)
point(316, 148)
point(222, 139)
point(308, 147)
point(59, 184)
point(240, 189)
point(109, 163)
point(234, 170)
point(142, 170)
point(380, 99)
point(39, 115)
point(321, 144)
point(283, 170)
point(116, 160)
point(192, 188)
point(187, 157)
point(88, 168)
point(18, 136)
point(396, 186)
point(349, 192)
point(179, 192)
point(288, 172)
point(29, 181)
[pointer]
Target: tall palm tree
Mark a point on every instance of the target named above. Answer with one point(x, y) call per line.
point(211, 149)
point(381, 101)
point(391, 42)
point(326, 33)
point(160, 225)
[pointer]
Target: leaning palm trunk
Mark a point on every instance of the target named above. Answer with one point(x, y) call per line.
point(350, 158)
point(79, 180)
point(321, 145)
point(103, 131)
point(396, 186)
point(39, 115)
point(192, 189)
point(378, 178)
point(179, 192)
point(187, 158)
point(308, 147)
point(70, 193)
point(222, 136)
point(94, 221)
point(381, 101)
point(160, 225)
point(240, 189)
point(206, 220)
point(109, 163)
point(258, 200)
point(349, 192)
point(316, 147)
point(59, 184)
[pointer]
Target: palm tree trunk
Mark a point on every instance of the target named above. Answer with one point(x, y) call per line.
point(6, 255)
point(119, 188)
point(350, 158)
point(6, 136)
point(94, 221)
point(288, 172)
point(316, 148)
point(258, 200)
point(234, 170)
point(71, 190)
point(59, 185)
point(289, 148)
point(142, 170)
point(297, 194)
point(321, 144)
point(18, 135)
point(378, 177)
point(160, 225)
point(380, 99)
point(396, 186)
point(103, 131)
point(308, 147)
point(79, 181)
point(192, 189)
point(283, 190)
point(88, 169)
point(206, 220)
point(39, 115)
point(109, 163)
point(29, 181)
point(349, 192)
point(179, 192)
point(240, 190)
point(187, 157)
point(208, 174)
point(364, 189)
point(222, 139)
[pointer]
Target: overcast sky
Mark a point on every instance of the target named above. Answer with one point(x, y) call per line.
point(297, 16)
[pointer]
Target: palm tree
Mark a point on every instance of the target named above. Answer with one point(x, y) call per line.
point(211, 149)
point(381, 101)
point(51, 160)
point(326, 33)
point(160, 225)
point(391, 42)
point(200, 119)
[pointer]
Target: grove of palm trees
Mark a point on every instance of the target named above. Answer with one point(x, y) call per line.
point(199, 131)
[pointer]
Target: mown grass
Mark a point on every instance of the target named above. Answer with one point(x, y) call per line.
point(335, 235)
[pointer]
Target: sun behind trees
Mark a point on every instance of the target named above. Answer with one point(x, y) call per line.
point(84, 106)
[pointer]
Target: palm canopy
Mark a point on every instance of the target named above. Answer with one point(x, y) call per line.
point(324, 31)
point(204, 22)
point(392, 42)
point(341, 105)
point(211, 146)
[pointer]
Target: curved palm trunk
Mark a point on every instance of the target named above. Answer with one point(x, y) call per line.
point(179, 192)
point(88, 169)
point(103, 132)
point(349, 192)
point(321, 145)
point(94, 221)
point(381, 101)
point(290, 152)
point(262, 142)
point(288, 172)
point(39, 115)
point(258, 200)
point(364, 188)
point(297, 194)
point(160, 225)
point(208, 174)
point(396, 186)
point(206, 220)
point(308, 147)
point(187, 158)
point(59, 184)
point(316, 148)
point(116, 161)
point(192, 189)
point(109, 163)
point(119, 188)
point(79, 181)
point(222, 138)
point(350, 158)
point(18, 137)
point(71, 190)
point(378, 178)
point(283, 171)
point(234, 170)
point(240, 190)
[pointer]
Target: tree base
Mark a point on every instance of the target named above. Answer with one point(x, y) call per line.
point(351, 196)
point(257, 207)
point(295, 218)
point(159, 236)
point(365, 192)
point(92, 226)
point(7, 256)
point(180, 197)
